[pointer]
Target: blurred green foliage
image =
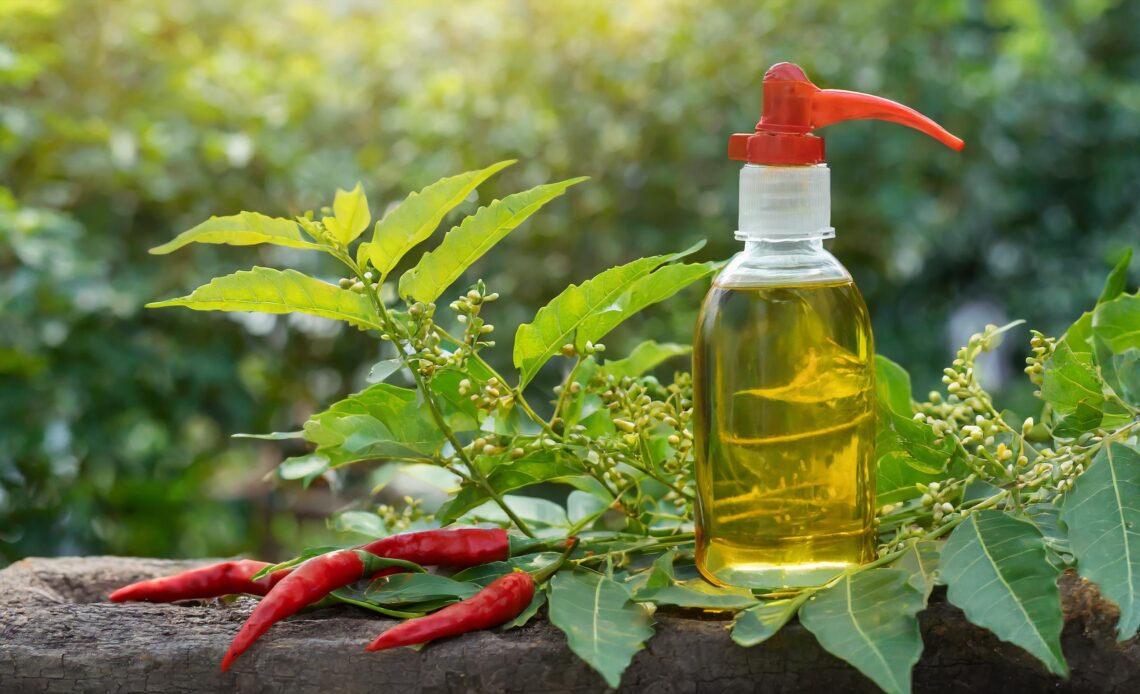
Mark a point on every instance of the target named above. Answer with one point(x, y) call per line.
point(123, 123)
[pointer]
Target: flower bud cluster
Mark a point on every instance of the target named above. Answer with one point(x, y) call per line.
point(1042, 348)
point(475, 330)
point(939, 497)
point(397, 519)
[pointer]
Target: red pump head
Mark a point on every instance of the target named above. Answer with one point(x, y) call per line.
point(793, 107)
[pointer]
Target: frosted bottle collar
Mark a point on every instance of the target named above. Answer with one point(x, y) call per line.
point(785, 203)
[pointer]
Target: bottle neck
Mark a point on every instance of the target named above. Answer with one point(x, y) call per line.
point(786, 247)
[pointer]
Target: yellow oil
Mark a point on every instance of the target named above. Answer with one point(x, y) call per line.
point(784, 427)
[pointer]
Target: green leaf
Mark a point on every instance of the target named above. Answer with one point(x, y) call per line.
point(758, 624)
point(381, 421)
point(1116, 343)
point(245, 229)
point(998, 574)
point(537, 512)
point(466, 243)
point(644, 357)
point(660, 285)
point(602, 626)
point(867, 618)
point(892, 386)
point(411, 588)
point(274, 436)
point(581, 505)
point(414, 219)
point(1117, 323)
point(1070, 379)
point(460, 412)
point(485, 574)
point(1102, 513)
point(528, 612)
point(535, 468)
point(1047, 518)
point(563, 320)
point(909, 452)
point(309, 466)
point(265, 290)
point(360, 522)
point(1117, 280)
point(663, 588)
point(1084, 417)
point(352, 214)
point(920, 560)
point(381, 370)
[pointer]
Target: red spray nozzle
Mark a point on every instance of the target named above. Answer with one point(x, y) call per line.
point(794, 107)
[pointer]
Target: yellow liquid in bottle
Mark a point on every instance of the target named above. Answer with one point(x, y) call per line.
point(785, 431)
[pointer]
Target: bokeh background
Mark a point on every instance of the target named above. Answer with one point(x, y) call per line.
point(125, 122)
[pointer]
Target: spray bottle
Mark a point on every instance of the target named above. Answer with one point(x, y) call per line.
point(783, 360)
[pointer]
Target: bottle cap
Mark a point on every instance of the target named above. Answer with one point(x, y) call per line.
point(794, 107)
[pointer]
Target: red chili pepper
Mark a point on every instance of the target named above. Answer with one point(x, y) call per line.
point(459, 547)
point(308, 583)
point(499, 602)
point(212, 581)
point(321, 575)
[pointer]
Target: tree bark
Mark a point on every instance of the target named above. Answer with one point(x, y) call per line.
point(58, 633)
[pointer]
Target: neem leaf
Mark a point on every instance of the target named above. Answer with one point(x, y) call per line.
point(644, 357)
point(537, 512)
point(654, 288)
point(920, 560)
point(663, 588)
point(867, 618)
point(381, 421)
point(352, 214)
point(466, 243)
point(1116, 342)
point(485, 574)
point(602, 626)
point(1117, 280)
point(892, 386)
point(1070, 379)
point(1102, 513)
point(410, 588)
point(562, 321)
point(908, 451)
point(244, 229)
point(997, 571)
point(758, 624)
point(265, 290)
point(528, 612)
point(535, 468)
point(414, 219)
point(361, 522)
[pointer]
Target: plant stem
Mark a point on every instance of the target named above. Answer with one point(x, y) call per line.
point(671, 541)
point(562, 395)
point(473, 469)
point(648, 469)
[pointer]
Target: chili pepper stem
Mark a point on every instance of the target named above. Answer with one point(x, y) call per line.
point(545, 573)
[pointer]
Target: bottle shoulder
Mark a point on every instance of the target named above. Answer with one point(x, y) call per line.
point(752, 269)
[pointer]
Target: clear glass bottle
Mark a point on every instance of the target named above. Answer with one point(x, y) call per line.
point(783, 359)
point(784, 418)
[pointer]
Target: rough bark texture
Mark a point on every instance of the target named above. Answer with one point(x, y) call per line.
point(58, 633)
